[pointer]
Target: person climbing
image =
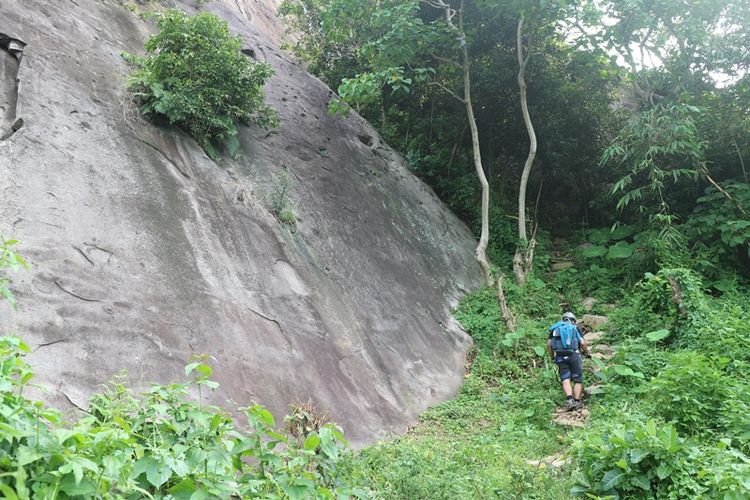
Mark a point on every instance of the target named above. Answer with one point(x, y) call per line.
point(565, 344)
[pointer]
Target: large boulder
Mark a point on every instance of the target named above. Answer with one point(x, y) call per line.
point(145, 252)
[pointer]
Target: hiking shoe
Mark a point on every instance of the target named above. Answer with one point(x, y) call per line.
point(578, 405)
point(570, 405)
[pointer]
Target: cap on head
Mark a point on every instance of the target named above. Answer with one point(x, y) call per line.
point(569, 316)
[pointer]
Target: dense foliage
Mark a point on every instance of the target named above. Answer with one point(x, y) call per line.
point(156, 445)
point(640, 111)
point(195, 77)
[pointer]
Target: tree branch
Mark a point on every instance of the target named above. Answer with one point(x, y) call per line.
point(449, 91)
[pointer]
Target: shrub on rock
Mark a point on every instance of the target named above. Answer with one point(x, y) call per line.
point(195, 77)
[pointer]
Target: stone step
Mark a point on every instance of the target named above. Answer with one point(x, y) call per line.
point(557, 460)
point(593, 337)
point(556, 267)
point(593, 321)
point(571, 418)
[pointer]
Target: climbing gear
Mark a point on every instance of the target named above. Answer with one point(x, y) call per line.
point(564, 337)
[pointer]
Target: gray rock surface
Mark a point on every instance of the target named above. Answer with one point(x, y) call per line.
point(588, 303)
point(594, 321)
point(145, 252)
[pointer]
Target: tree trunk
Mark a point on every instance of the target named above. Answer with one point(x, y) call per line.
point(481, 251)
point(510, 320)
point(523, 260)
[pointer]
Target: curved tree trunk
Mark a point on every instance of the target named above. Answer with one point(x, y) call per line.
point(481, 251)
point(523, 260)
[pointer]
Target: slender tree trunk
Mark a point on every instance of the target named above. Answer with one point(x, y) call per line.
point(523, 260)
point(481, 251)
point(742, 161)
point(510, 320)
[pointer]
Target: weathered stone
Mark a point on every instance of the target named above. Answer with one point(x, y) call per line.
point(593, 321)
point(560, 266)
point(571, 418)
point(604, 349)
point(145, 252)
point(556, 460)
point(588, 303)
point(604, 356)
point(594, 337)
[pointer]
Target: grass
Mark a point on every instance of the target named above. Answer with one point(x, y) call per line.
point(474, 446)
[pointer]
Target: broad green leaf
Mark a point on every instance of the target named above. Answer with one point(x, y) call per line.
point(312, 442)
point(158, 473)
point(622, 231)
point(594, 251)
point(9, 493)
point(641, 481)
point(621, 250)
point(657, 335)
point(612, 478)
point(638, 454)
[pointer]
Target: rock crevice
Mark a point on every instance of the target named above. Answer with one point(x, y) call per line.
point(11, 51)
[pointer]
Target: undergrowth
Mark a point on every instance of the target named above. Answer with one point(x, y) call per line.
point(670, 418)
point(159, 444)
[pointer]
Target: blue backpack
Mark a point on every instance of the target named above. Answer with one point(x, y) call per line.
point(564, 336)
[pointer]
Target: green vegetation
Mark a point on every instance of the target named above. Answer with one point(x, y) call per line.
point(8, 260)
point(158, 444)
point(281, 207)
point(669, 419)
point(641, 110)
point(195, 77)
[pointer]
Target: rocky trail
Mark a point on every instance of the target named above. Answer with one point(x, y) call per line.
point(595, 326)
point(599, 351)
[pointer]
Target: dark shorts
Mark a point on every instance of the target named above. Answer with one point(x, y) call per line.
point(571, 367)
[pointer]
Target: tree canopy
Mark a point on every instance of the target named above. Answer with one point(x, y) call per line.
point(640, 110)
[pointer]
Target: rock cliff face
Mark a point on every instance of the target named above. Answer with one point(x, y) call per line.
point(144, 251)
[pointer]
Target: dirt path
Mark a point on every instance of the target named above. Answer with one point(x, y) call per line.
point(600, 351)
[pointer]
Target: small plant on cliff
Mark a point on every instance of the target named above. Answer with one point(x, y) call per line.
point(280, 205)
point(8, 260)
point(195, 77)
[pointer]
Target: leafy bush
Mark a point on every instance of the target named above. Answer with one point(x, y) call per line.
point(502, 354)
point(280, 205)
point(651, 460)
point(689, 393)
point(196, 78)
point(728, 334)
point(641, 356)
point(674, 298)
point(160, 445)
point(635, 459)
point(735, 416)
point(722, 231)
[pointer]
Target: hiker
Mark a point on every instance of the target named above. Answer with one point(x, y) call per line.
point(565, 345)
